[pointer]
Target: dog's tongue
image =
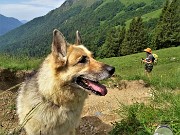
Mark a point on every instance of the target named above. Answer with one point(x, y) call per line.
point(97, 87)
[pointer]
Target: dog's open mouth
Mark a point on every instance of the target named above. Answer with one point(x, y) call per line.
point(94, 86)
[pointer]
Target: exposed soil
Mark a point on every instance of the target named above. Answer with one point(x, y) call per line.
point(9, 78)
point(98, 113)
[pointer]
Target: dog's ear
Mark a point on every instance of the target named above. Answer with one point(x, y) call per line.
point(59, 47)
point(78, 38)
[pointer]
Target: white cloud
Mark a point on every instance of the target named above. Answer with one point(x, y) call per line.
point(45, 3)
point(29, 10)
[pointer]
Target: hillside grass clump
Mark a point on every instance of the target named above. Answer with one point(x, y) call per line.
point(141, 119)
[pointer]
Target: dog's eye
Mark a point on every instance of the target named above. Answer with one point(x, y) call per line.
point(83, 59)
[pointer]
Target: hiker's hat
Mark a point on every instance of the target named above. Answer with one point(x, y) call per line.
point(148, 50)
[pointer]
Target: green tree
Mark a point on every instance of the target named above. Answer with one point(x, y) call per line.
point(113, 42)
point(166, 5)
point(121, 36)
point(167, 32)
point(172, 31)
point(135, 39)
point(110, 47)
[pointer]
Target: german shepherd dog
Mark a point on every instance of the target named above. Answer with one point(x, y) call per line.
point(51, 101)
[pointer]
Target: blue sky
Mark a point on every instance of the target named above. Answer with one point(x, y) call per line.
point(27, 9)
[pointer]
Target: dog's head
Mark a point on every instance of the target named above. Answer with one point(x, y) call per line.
point(74, 65)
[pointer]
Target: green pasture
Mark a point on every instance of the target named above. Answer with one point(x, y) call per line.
point(166, 73)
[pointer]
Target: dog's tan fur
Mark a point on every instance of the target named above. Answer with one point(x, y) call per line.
point(49, 103)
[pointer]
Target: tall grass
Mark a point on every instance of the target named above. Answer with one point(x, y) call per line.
point(19, 63)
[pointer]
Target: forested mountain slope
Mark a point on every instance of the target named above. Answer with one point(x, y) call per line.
point(8, 23)
point(93, 18)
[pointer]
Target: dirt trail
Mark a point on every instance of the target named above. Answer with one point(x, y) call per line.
point(99, 112)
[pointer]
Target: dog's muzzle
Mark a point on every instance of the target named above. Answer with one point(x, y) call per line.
point(90, 81)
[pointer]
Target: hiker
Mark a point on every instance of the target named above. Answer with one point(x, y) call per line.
point(148, 61)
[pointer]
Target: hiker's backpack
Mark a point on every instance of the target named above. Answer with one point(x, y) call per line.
point(155, 58)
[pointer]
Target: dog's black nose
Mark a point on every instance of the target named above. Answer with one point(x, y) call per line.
point(110, 69)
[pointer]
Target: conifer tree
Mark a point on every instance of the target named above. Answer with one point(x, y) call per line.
point(121, 36)
point(126, 45)
point(167, 32)
point(135, 39)
point(112, 44)
point(107, 48)
point(172, 33)
point(166, 5)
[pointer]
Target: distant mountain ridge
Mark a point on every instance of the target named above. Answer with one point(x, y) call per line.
point(8, 23)
point(24, 21)
point(93, 18)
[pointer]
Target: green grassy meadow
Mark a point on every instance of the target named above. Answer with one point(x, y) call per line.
point(164, 107)
point(165, 74)
point(127, 2)
point(139, 118)
point(146, 17)
point(19, 63)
